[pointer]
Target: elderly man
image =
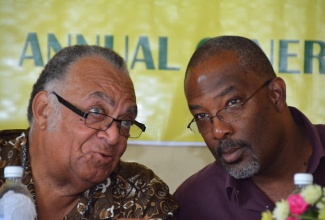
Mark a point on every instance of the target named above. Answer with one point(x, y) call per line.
point(259, 143)
point(81, 112)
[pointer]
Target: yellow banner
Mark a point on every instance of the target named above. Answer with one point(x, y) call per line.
point(157, 39)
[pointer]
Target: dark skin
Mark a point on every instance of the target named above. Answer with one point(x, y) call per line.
point(265, 124)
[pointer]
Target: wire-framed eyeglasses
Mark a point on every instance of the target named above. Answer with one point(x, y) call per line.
point(201, 123)
point(101, 122)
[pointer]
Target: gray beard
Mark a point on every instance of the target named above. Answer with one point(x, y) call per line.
point(240, 169)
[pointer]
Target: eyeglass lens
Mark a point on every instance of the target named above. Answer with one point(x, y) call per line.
point(230, 114)
point(103, 122)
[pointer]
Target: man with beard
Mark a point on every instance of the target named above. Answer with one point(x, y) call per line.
point(259, 143)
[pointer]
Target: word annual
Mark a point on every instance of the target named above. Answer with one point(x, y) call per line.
point(286, 55)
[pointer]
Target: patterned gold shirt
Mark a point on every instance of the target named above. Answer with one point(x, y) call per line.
point(131, 191)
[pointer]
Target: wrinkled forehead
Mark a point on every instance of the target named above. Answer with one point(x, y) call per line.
point(93, 64)
point(95, 74)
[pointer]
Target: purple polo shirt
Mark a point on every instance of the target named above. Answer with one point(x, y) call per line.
point(213, 194)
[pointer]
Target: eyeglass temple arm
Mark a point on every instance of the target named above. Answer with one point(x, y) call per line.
point(189, 124)
point(141, 126)
point(71, 107)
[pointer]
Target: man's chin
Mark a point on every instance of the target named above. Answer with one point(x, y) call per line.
point(235, 172)
point(94, 176)
point(241, 171)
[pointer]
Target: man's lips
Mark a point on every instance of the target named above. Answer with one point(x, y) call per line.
point(232, 154)
point(102, 156)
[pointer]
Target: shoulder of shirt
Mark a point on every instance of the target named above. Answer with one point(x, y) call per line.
point(8, 135)
point(203, 176)
point(321, 131)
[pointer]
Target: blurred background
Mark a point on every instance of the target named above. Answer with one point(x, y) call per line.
point(157, 38)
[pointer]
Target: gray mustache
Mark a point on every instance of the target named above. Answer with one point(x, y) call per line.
point(227, 144)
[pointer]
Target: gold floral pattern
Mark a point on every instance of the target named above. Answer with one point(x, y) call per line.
point(131, 191)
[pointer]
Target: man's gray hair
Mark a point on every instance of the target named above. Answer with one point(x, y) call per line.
point(56, 69)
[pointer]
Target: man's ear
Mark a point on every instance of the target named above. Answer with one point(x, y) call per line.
point(41, 109)
point(277, 93)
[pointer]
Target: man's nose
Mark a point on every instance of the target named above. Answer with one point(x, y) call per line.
point(112, 133)
point(220, 128)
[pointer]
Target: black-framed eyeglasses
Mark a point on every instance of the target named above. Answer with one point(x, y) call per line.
point(101, 122)
point(229, 113)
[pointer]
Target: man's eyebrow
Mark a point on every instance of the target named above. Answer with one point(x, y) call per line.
point(103, 96)
point(224, 92)
point(221, 94)
point(194, 107)
point(133, 109)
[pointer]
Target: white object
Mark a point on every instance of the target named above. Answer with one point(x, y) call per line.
point(16, 201)
point(17, 206)
point(303, 179)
